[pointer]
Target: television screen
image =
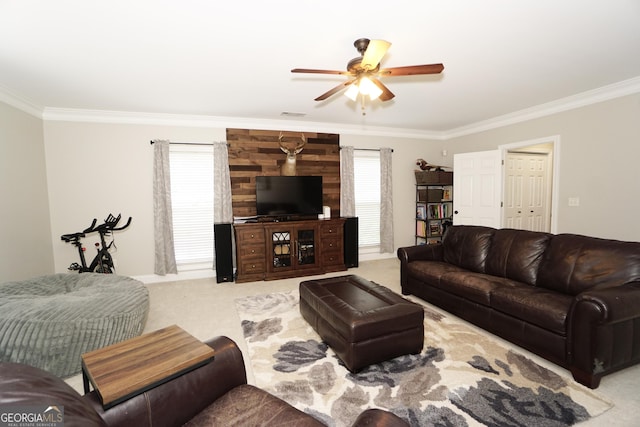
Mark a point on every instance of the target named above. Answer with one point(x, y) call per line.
point(288, 195)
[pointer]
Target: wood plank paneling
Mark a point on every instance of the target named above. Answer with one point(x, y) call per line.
point(257, 152)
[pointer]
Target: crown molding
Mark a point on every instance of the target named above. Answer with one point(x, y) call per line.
point(20, 103)
point(604, 93)
point(162, 119)
point(616, 90)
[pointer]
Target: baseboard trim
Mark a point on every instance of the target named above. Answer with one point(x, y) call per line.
point(183, 275)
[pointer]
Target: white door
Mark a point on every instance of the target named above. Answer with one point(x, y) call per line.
point(477, 188)
point(526, 191)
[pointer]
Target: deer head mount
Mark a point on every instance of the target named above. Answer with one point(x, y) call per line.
point(289, 166)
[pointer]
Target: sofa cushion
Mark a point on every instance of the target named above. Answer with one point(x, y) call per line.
point(516, 254)
point(247, 405)
point(541, 307)
point(467, 246)
point(573, 263)
point(476, 287)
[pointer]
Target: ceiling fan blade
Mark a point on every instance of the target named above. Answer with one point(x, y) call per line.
point(374, 53)
point(334, 90)
point(307, 70)
point(412, 70)
point(386, 93)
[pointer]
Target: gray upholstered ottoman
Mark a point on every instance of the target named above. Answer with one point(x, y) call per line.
point(49, 321)
point(363, 322)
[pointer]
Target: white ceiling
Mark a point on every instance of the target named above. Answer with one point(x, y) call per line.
point(233, 59)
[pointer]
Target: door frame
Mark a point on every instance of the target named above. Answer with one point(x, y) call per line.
point(554, 140)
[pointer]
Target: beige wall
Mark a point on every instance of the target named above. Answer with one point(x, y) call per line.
point(25, 233)
point(95, 169)
point(599, 152)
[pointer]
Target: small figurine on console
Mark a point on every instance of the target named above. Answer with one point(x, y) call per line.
point(427, 166)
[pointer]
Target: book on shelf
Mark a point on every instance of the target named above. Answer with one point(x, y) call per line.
point(435, 228)
point(439, 210)
point(446, 194)
point(421, 229)
point(421, 212)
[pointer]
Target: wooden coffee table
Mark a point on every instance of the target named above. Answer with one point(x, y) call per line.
point(123, 370)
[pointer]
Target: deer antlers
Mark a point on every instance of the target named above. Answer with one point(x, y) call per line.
point(298, 148)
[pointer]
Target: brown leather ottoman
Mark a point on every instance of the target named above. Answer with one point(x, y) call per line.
point(363, 322)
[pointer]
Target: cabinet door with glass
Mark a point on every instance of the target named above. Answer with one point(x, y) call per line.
point(291, 247)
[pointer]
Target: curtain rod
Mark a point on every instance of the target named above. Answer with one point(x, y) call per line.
point(367, 149)
point(187, 143)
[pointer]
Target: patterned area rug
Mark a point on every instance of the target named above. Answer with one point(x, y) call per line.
point(462, 378)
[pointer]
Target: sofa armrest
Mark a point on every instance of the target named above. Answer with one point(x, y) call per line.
point(610, 304)
point(601, 330)
point(180, 399)
point(408, 254)
point(433, 252)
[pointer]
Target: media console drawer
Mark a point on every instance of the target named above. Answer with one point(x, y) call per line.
point(250, 252)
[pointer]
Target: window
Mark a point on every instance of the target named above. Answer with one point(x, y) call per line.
point(366, 182)
point(192, 204)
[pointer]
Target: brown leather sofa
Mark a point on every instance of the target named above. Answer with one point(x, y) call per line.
point(572, 299)
point(216, 394)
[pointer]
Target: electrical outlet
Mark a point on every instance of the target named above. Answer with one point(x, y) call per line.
point(574, 201)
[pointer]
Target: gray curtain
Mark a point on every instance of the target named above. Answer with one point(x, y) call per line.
point(386, 201)
point(347, 188)
point(222, 208)
point(165, 257)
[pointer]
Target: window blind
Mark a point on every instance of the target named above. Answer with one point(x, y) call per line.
point(192, 203)
point(366, 181)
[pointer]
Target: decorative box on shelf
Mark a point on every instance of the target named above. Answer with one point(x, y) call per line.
point(434, 177)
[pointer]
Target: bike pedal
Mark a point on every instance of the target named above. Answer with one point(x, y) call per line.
point(74, 267)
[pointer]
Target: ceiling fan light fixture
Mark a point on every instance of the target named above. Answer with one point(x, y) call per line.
point(352, 92)
point(367, 87)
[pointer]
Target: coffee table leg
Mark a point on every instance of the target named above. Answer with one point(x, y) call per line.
point(85, 380)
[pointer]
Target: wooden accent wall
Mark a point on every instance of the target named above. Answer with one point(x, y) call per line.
point(257, 152)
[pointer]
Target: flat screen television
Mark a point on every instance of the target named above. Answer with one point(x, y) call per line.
point(288, 195)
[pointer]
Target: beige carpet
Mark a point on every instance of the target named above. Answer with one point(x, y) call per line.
point(462, 378)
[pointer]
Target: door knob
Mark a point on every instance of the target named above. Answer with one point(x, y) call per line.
point(455, 212)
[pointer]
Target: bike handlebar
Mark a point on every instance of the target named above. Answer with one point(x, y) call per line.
point(124, 226)
point(106, 227)
point(110, 224)
point(90, 228)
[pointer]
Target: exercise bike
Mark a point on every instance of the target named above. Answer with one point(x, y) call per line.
point(102, 262)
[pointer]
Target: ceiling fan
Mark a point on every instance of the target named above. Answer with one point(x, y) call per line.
point(364, 72)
